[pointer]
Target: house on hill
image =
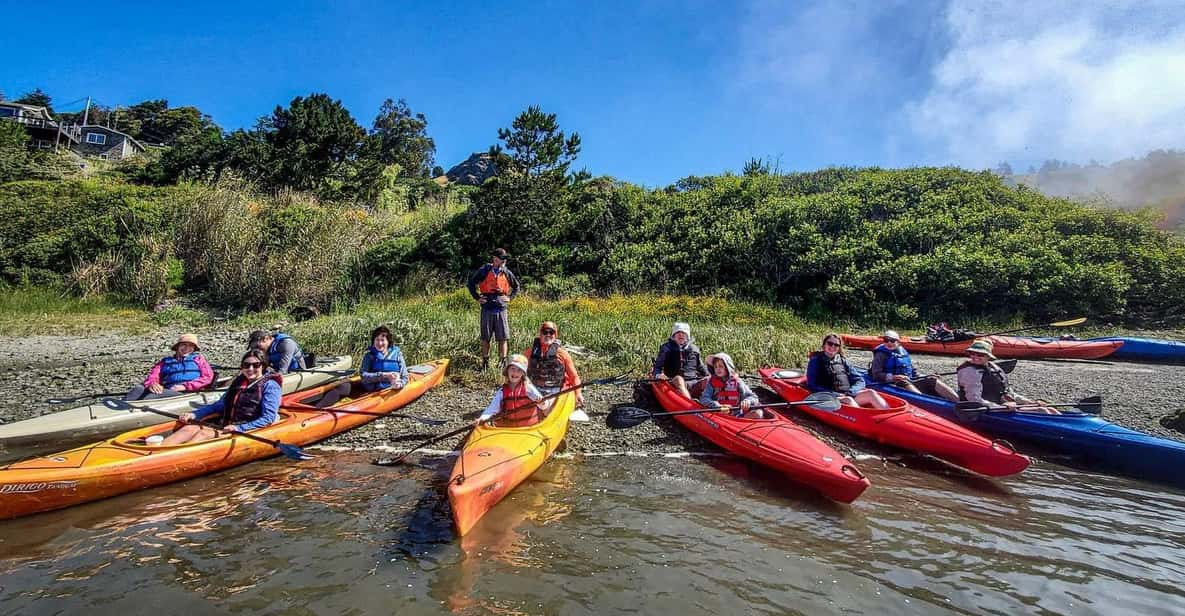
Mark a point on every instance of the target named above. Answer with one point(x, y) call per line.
point(107, 143)
point(45, 133)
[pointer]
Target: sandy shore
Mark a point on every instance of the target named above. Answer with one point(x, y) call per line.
point(38, 367)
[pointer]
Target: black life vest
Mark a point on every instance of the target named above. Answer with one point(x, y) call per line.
point(545, 369)
point(244, 401)
point(834, 375)
point(994, 380)
point(681, 362)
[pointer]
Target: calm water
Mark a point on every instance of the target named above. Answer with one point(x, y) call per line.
point(645, 535)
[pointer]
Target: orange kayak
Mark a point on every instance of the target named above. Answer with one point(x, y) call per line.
point(125, 463)
point(495, 460)
point(1004, 347)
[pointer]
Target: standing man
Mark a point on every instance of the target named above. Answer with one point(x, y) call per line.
point(493, 286)
point(283, 353)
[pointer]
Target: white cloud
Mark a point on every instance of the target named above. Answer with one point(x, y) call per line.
point(1065, 80)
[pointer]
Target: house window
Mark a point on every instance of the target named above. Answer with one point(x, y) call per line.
point(96, 138)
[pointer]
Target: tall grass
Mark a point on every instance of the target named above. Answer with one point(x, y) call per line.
point(26, 311)
point(609, 336)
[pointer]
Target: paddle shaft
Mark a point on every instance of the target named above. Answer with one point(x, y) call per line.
point(1007, 365)
point(214, 426)
point(1069, 323)
point(729, 408)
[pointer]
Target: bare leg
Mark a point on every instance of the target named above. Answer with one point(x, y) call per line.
point(485, 353)
point(868, 397)
point(681, 385)
point(189, 434)
point(946, 391)
point(503, 347)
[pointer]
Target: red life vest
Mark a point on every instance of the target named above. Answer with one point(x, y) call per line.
point(512, 415)
point(728, 393)
point(494, 283)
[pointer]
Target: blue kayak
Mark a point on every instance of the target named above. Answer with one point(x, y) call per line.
point(1086, 440)
point(1152, 350)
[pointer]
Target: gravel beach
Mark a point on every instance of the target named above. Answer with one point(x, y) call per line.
point(38, 367)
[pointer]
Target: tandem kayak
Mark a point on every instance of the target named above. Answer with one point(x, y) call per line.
point(85, 424)
point(1004, 347)
point(494, 460)
point(126, 463)
point(1083, 439)
point(906, 426)
point(777, 443)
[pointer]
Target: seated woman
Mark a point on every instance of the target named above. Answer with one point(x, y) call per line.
point(252, 401)
point(680, 362)
point(511, 406)
point(382, 367)
point(982, 381)
point(725, 388)
point(892, 364)
point(829, 370)
point(184, 371)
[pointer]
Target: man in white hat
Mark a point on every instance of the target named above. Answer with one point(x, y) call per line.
point(679, 361)
point(892, 364)
point(184, 371)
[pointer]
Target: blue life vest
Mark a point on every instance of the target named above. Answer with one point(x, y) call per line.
point(897, 362)
point(175, 371)
point(391, 362)
point(274, 354)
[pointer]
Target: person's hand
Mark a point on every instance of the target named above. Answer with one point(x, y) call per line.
point(662, 376)
point(1010, 404)
point(481, 299)
point(185, 417)
point(391, 377)
point(579, 398)
point(504, 299)
point(232, 428)
point(745, 404)
point(900, 378)
point(178, 388)
point(156, 388)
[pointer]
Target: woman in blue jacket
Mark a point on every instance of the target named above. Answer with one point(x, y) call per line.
point(829, 370)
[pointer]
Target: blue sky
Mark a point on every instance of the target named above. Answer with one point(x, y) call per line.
point(659, 90)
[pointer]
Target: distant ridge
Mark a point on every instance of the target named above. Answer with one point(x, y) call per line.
point(474, 171)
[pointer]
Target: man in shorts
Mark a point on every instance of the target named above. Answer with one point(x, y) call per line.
point(493, 285)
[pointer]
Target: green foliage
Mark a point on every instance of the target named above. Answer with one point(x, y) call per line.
point(400, 137)
point(13, 153)
point(36, 97)
point(535, 146)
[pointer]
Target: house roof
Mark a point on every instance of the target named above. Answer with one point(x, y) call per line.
point(38, 108)
point(112, 130)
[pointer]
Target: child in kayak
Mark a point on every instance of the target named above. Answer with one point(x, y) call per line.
point(982, 381)
point(892, 364)
point(511, 406)
point(252, 401)
point(829, 370)
point(184, 371)
point(725, 388)
point(679, 361)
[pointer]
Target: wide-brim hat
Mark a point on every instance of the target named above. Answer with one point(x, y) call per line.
point(517, 360)
point(190, 338)
point(983, 347)
point(891, 335)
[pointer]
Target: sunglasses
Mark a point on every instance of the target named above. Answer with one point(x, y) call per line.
point(250, 364)
point(831, 344)
point(888, 340)
point(547, 332)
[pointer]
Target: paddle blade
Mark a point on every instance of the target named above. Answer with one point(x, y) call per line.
point(388, 461)
point(293, 452)
point(1092, 405)
point(116, 405)
point(1070, 323)
point(627, 417)
point(969, 411)
point(823, 401)
point(1007, 365)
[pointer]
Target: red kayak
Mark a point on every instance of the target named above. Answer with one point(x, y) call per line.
point(1004, 347)
point(906, 426)
point(777, 443)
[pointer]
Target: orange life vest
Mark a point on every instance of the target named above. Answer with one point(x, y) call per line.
point(728, 393)
point(512, 415)
point(494, 283)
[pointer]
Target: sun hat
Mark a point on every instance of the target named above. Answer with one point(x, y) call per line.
point(680, 326)
point(981, 346)
point(892, 335)
point(190, 338)
point(518, 360)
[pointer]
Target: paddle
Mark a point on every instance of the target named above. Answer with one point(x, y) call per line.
point(291, 451)
point(309, 371)
point(470, 426)
point(630, 416)
point(1007, 365)
point(424, 420)
point(1070, 323)
point(970, 411)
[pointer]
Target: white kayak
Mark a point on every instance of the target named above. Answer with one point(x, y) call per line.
point(84, 424)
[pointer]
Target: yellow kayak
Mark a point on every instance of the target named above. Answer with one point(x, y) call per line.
point(495, 460)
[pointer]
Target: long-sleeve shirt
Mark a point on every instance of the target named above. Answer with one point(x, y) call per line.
point(496, 404)
point(480, 274)
point(288, 349)
point(369, 375)
point(708, 398)
point(269, 407)
point(817, 366)
point(670, 346)
point(207, 375)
